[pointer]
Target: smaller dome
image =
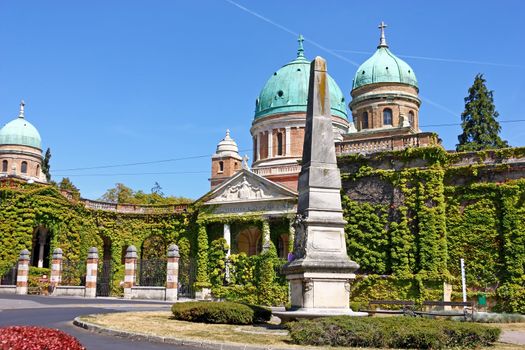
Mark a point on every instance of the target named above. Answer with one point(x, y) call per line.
point(384, 67)
point(20, 132)
point(227, 147)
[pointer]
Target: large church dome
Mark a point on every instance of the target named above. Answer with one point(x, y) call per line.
point(287, 90)
point(20, 132)
point(384, 67)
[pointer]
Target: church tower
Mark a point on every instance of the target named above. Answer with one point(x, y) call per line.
point(280, 117)
point(385, 105)
point(226, 161)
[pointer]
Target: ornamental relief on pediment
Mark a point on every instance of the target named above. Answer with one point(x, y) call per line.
point(243, 190)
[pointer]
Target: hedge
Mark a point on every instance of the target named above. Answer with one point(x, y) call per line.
point(220, 312)
point(392, 332)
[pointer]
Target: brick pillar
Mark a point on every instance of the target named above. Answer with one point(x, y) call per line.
point(22, 272)
point(91, 273)
point(172, 275)
point(56, 269)
point(130, 266)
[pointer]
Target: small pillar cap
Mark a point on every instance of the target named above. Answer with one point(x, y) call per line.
point(57, 253)
point(131, 252)
point(93, 253)
point(24, 255)
point(173, 251)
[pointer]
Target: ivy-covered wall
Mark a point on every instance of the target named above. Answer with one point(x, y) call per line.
point(73, 228)
point(413, 214)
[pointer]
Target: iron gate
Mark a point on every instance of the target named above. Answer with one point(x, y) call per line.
point(151, 272)
point(104, 279)
point(187, 272)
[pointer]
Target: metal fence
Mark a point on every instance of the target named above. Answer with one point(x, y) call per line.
point(73, 273)
point(151, 272)
point(9, 277)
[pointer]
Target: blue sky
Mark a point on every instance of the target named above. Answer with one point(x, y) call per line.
point(116, 82)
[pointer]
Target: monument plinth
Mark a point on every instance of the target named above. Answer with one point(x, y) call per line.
point(320, 272)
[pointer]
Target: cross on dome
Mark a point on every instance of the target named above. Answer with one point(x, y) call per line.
point(300, 50)
point(21, 112)
point(382, 39)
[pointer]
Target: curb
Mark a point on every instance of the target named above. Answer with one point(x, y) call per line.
point(169, 340)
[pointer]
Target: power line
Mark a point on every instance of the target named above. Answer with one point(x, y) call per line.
point(133, 174)
point(210, 155)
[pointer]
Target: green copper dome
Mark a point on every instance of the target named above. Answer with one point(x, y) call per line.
point(20, 132)
point(384, 67)
point(287, 90)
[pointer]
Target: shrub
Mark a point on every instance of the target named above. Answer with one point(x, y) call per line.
point(220, 312)
point(37, 338)
point(391, 332)
point(491, 317)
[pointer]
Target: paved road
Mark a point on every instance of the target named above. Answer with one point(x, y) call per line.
point(58, 313)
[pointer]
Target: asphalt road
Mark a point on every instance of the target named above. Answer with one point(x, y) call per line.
point(55, 312)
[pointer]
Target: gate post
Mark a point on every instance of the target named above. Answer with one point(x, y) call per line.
point(23, 272)
point(91, 273)
point(172, 275)
point(56, 269)
point(130, 266)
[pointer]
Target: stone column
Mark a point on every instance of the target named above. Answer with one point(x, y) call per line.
point(291, 235)
point(228, 237)
point(258, 150)
point(56, 269)
point(270, 143)
point(22, 272)
point(130, 266)
point(172, 275)
point(91, 273)
point(288, 140)
point(266, 239)
point(42, 235)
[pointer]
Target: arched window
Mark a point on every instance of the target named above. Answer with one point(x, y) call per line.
point(255, 145)
point(364, 123)
point(411, 118)
point(280, 151)
point(4, 166)
point(387, 116)
point(37, 172)
point(23, 168)
point(221, 166)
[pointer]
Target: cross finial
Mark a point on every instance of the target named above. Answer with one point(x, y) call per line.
point(300, 50)
point(382, 40)
point(21, 112)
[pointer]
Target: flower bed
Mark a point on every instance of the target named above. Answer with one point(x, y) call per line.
point(37, 338)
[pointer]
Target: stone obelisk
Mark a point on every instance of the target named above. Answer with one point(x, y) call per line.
point(321, 271)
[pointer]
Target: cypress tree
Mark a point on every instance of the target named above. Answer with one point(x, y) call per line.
point(46, 166)
point(479, 120)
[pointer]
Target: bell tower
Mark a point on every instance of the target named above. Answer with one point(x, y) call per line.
point(225, 162)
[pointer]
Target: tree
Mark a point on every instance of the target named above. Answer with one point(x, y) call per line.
point(478, 120)
point(66, 184)
point(119, 194)
point(46, 167)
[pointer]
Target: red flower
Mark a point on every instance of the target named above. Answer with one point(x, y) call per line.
point(37, 338)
